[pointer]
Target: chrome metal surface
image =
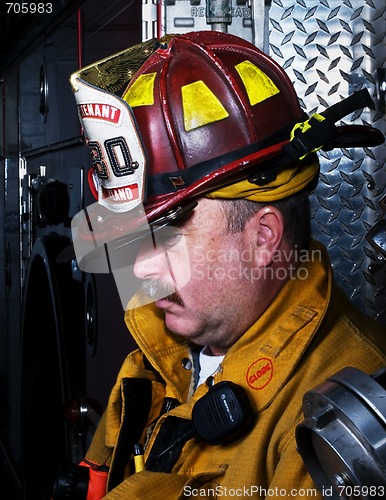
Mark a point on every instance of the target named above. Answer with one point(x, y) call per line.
point(342, 440)
point(329, 49)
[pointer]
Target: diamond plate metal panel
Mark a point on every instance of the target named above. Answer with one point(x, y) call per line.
point(331, 48)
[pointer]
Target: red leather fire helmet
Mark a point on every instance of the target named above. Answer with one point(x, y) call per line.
point(171, 120)
point(209, 106)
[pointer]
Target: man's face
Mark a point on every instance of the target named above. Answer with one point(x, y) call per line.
point(208, 278)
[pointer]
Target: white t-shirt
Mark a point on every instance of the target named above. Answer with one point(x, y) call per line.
point(208, 365)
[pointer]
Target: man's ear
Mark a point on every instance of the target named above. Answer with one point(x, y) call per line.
point(266, 232)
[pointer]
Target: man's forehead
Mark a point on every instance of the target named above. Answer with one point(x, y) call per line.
point(206, 214)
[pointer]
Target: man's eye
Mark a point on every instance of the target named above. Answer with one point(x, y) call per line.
point(167, 237)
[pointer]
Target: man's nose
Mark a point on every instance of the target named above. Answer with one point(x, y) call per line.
point(150, 261)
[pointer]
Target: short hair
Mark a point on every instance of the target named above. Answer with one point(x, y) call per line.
point(295, 210)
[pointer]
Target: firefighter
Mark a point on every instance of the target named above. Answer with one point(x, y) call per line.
point(204, 163)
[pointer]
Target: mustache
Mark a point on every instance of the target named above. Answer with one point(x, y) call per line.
point(157, 289)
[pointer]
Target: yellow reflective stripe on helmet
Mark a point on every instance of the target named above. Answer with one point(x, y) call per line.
point(257, 84)
point(141, 92)
point(200, 106)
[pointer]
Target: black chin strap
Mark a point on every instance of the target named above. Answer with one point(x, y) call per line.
point(358, 100)
point(320, 131)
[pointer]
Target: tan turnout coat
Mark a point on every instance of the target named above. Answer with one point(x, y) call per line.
point(310, 332)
